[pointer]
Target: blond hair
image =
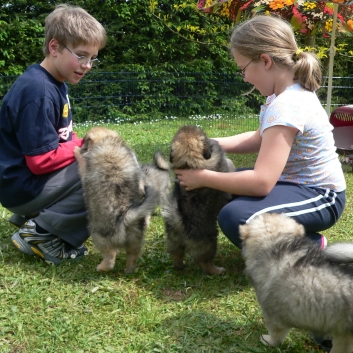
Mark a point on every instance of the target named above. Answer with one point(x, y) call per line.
point(275, 37)
point(72, 25)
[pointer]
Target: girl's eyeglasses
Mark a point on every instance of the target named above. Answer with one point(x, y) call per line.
point(242, 72)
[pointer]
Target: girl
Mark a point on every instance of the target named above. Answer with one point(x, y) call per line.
point(297, 171)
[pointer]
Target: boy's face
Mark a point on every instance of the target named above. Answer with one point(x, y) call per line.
point(65, 65)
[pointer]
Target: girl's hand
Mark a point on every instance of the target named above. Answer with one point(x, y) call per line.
point(190, 178)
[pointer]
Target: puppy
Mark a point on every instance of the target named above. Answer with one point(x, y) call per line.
point(298, 284)
point(191, 216)
point(118, 198)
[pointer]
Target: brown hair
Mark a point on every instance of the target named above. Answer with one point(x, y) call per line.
point(73, 25)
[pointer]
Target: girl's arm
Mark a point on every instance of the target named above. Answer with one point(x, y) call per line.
point(273, 155)
point(247, 142)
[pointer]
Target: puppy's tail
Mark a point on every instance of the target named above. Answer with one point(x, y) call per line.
point(170, 212)
point(160, 161)
point(144, 209)
point(339, 252)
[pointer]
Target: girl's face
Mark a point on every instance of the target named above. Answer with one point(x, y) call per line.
point(256, 71)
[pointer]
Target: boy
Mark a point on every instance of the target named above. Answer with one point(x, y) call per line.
point(38, 173)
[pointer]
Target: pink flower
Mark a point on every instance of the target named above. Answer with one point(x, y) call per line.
point(298, 21)
point(328, 10)
point(245, 6)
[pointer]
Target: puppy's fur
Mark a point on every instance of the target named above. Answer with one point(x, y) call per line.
point(158, 175)
point(118, 198)
point(191, 216)
point(298, 284)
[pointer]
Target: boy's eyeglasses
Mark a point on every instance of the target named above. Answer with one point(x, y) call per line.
point(82, 60)
point(242, 72)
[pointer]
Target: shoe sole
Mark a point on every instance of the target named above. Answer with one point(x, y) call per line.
point(27, 249)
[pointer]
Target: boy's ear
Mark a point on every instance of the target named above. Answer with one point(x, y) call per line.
point(53, 47)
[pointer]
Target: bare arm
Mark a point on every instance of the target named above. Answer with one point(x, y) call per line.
point(247, 142)
point(273, 155)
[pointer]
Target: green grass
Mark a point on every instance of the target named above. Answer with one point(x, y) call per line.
point(74, 309)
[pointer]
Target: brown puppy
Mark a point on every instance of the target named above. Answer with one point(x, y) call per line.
point(191, 216)
point(118, 198)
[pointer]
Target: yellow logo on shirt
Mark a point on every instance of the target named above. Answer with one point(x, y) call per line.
point(66, 111)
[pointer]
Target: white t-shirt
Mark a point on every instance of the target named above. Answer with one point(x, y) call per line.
point(313, 160)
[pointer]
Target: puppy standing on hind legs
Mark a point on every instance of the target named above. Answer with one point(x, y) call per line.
point(191, 216)
point(297, 284)
point(118, 199)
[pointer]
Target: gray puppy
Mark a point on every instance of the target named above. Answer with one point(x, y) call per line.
point(191, 216)
point(119, 200)
point(298, 284)
point(158, 175)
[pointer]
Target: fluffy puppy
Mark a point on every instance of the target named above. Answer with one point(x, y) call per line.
point(298, 284)
point(191, 216)
point(118, 198)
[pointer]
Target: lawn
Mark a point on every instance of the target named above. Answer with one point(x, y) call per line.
point(74, 309)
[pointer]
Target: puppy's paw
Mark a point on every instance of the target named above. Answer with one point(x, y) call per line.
point(218, 271)
point(100, 269)
point(179, 266)
point(267, 340)
point(130, 270)
point(77, 152)
point(104, 267)
point(178, 262)
point(210, 269)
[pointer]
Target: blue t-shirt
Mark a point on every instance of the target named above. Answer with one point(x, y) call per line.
point(35, 116)
point(313, 160)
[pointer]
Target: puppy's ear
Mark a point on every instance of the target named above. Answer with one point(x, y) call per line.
point(87, 143)
point(207, 152)
point(171, 156)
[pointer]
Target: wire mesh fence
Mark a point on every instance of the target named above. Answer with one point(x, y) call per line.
point(135, 96)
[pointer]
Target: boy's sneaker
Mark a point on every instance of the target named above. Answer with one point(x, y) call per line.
point(78, 252)
point(47, 246)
